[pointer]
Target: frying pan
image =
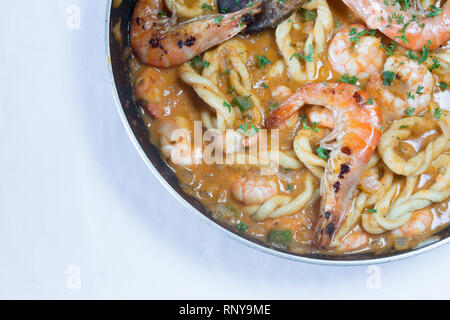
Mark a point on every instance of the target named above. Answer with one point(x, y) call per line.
point(123, 94)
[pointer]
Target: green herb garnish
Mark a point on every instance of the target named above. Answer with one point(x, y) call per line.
point(419, 89)
point(388, 77)
point(227, 105)
point(409, 111)
point(241, 226)
point(437, 113)
point(244, 103)
point(434, 11)
point(206, 6)
point(347, 79)
point(275, 105)
point(280, 238)
point(198, 63)
point(262, 61)
point(322, 153)
point(307, 15)
point(218, 19)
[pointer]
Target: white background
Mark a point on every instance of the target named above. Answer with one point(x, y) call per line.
point(74, 192)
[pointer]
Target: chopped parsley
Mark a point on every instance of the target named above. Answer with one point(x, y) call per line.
point(314, 127)
point(372, 210)
point(443, 85)
point(241, 226)
point(280, 238)
point(434, 11)
point(389, 49)
point(419, 89)
point(436, 64)
point(369, 101)
point(198, 63)
point(308, 58)
point(227, 105)
point(347, 79)
point(323, 153)
point(244, 103)
point(437, 113)
point(162, 14)
point(410, 96)
point(218, 19)
point(206, 6)
point(307, 15)
point(403, 34)
point(263, 61)
point(409, 111)
point(355, 35)
point(305, 125)
point(388, 77)
point(425, 52)
point(243, 128)
point(275, 105)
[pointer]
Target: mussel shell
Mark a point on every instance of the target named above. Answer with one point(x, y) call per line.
point(272, 12)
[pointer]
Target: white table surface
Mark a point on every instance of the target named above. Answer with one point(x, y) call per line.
point(81, 216)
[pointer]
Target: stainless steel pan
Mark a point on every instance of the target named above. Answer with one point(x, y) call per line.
point(118, 69)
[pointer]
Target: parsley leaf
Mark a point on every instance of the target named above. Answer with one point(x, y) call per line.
point(388, 77)
point(409, 111)
point(227, 105)
point(218, 19)
point(244, 103)
point(419, 89)
point(437, 113)
point(206, 6)
point(323, 153)
point(241, 226)
point(346, 78)
point(308, 58)
point(355, 35)
point(434, 11)
point(436, 64)
point(263, 61)
point(275, 105)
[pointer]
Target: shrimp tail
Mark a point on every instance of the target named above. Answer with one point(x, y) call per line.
point(352, 143)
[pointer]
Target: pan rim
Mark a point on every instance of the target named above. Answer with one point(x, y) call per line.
point(251, 244)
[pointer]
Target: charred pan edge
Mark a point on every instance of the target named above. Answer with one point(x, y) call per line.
point(125, 106)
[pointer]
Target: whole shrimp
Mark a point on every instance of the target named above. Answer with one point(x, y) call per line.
point(404, 27)
point(352, 142)
point(408, 91)
point(176, 141)
point(419, 222)
point(158, 41)
point(148, 89)
point(253, 190)
point(356, 55)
